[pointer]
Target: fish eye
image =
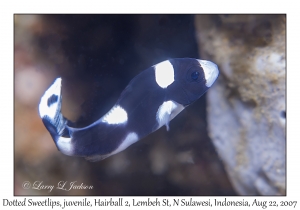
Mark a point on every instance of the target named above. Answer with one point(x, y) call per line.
point(195, 75)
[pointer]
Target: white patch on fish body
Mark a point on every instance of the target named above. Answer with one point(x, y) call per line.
point(210, 70)
point(166, 112)
point(164, 74)
point(44, 109)
point(65, 145)
point(117, 115)
point(130, 139)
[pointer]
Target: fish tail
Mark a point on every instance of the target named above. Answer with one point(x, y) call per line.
point(54, 121)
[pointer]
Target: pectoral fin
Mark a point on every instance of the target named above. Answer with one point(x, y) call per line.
point(166, 112)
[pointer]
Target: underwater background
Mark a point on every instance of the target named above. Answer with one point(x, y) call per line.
point(97, 56)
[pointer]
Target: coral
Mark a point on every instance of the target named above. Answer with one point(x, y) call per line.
point(246, 106)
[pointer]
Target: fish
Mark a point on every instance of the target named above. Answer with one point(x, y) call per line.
point(150, 101)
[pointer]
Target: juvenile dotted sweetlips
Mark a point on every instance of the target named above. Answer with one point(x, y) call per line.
point(151, 100)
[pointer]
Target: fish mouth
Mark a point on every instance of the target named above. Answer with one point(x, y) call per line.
point(211, 71)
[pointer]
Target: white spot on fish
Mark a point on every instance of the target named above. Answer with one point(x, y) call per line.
point(211, 71)
point(164, 74)
point(166, 112)
point(65, 145)
point(131, 138)
point(117, 115)
point(44, 109)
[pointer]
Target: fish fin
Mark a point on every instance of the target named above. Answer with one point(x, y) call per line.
point(166, 112)
point(167, 124)
point(95, 158)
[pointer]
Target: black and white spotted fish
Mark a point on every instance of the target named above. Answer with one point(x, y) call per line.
point(151, 100)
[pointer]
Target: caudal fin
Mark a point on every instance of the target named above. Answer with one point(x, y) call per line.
point(54, 121)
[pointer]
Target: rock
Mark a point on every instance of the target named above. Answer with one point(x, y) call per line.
point(246, 106)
